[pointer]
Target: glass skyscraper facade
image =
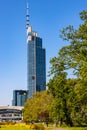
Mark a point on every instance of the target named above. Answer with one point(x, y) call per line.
point(36, 63)
point(19, 97)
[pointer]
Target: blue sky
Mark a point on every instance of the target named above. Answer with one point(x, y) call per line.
point(47, 17)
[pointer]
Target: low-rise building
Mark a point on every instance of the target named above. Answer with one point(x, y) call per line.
point(11, 113)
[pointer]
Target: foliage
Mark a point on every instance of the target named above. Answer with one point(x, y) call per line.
point(22, 126)
point(43, 116)
point(7, 123)
point(70, 104)
point(37, 108)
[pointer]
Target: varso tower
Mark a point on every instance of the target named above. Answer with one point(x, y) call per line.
point(36, 61)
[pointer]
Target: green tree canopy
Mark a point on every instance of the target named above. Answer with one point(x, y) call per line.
point(37, 108)
point(70, 104)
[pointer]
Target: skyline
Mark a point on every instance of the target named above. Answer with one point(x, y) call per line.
point(47, 17)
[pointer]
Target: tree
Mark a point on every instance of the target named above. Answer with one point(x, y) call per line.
point(75, 54)
point(37, 108)
point(44, 116)
point(70, 95)
point(63, 92)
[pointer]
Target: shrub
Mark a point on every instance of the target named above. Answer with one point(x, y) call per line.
point(37, 127)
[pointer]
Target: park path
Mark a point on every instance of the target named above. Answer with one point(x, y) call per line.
point(58, 129)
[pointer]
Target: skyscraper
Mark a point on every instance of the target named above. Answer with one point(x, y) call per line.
point(36, 62)
point(19, 97)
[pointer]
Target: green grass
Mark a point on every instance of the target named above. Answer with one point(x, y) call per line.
point(24, 128)
point(14, 128)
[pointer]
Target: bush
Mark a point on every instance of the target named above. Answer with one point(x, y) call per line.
point(37, 127)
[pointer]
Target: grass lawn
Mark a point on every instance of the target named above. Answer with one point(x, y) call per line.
point(14, 128)
point(27, 128)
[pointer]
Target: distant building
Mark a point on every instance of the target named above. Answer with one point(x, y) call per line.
point(36, 61)
point(19, 97)
point(11, 113)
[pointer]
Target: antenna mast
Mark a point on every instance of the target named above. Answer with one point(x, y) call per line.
point(27, 17)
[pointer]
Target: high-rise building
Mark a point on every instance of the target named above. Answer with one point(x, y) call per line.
point(36, 61)
point(19, 97)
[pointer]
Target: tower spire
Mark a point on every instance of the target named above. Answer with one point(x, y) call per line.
point(27, 17)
